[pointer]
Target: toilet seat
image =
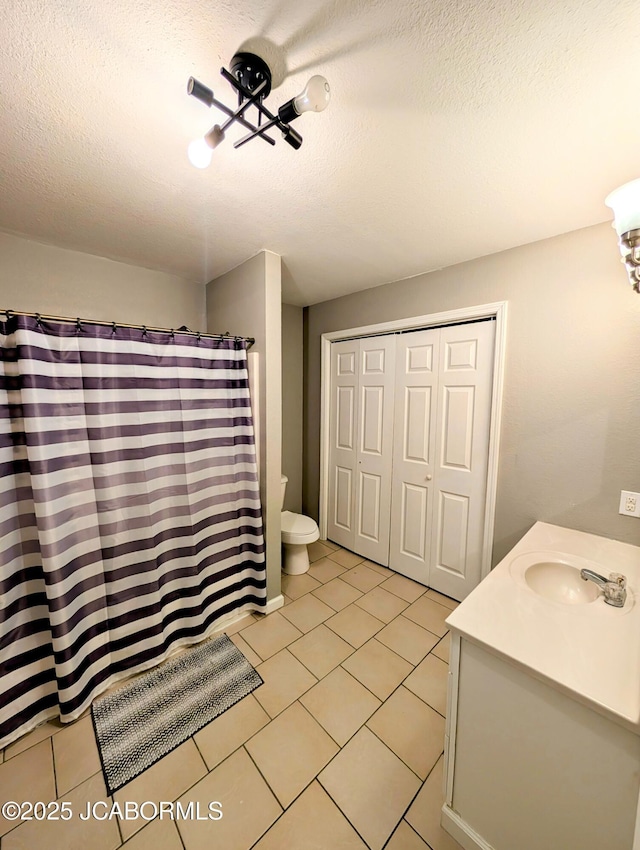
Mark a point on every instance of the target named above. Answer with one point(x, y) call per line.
point(297, 529)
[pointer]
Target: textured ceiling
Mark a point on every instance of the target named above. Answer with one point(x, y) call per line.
point(456, 129)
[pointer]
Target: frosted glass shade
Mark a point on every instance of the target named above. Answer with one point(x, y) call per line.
point(625, 203)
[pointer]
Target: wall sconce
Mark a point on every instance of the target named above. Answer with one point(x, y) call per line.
point(625, 203)
point(250, 76)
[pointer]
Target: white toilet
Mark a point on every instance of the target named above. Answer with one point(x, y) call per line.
point(297, 532)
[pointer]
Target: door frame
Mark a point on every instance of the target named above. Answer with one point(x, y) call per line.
point(497, 311)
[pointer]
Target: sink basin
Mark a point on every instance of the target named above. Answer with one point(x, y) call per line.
point(554, 577)
point(560, 583)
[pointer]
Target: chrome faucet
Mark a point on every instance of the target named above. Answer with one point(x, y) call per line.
point(614, 588)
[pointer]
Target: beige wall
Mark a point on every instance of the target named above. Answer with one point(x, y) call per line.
point(571, 405)
point(38, 278)
point(292, 377)
point(247, 301)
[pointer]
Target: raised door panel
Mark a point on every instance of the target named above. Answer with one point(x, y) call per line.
point(413, 521)
point(457, 427)
point(452, 532)
point(369, 516)
point(416, 435)
point(372, 419)
point(345, 411)
point(346, 361)
point(342, 499)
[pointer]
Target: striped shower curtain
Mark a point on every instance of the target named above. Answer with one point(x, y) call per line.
point(130, 519)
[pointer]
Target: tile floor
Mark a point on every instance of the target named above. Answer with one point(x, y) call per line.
point(340, 748)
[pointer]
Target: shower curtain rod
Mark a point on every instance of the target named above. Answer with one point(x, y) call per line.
point(183, 330)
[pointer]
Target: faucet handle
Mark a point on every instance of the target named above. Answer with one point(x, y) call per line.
point(619, 579)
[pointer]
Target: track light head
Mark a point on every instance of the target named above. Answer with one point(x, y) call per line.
point(198, 90)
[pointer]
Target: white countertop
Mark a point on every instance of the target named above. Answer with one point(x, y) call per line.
point(590, 651)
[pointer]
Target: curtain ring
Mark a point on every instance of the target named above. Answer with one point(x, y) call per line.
point(173, 334)
point(114, 327)
point(199, 336)
point(8, 313)
point(144, 330)
point(38, 319)
point(78, 325)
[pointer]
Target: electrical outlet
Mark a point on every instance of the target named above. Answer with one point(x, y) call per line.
point(629, 503)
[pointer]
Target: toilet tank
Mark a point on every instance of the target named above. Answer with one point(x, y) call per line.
point(283, 489)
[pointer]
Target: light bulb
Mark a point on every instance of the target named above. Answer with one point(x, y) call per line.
point(314, 97)
point(199, 153)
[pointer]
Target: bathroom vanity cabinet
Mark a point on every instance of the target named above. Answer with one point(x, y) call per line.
point(542, 744)
point(530, 768)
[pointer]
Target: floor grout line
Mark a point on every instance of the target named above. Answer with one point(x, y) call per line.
point(318, 679)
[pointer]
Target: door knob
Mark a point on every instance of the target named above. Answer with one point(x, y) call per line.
point(428, 477)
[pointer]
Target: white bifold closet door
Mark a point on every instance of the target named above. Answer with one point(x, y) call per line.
point(443, 390)
point(361, 440)
point(408, 459)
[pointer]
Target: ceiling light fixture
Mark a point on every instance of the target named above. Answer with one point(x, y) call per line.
point(625, 203)
point(250, 76)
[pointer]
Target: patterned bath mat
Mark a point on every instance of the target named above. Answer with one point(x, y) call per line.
point(141, 722)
